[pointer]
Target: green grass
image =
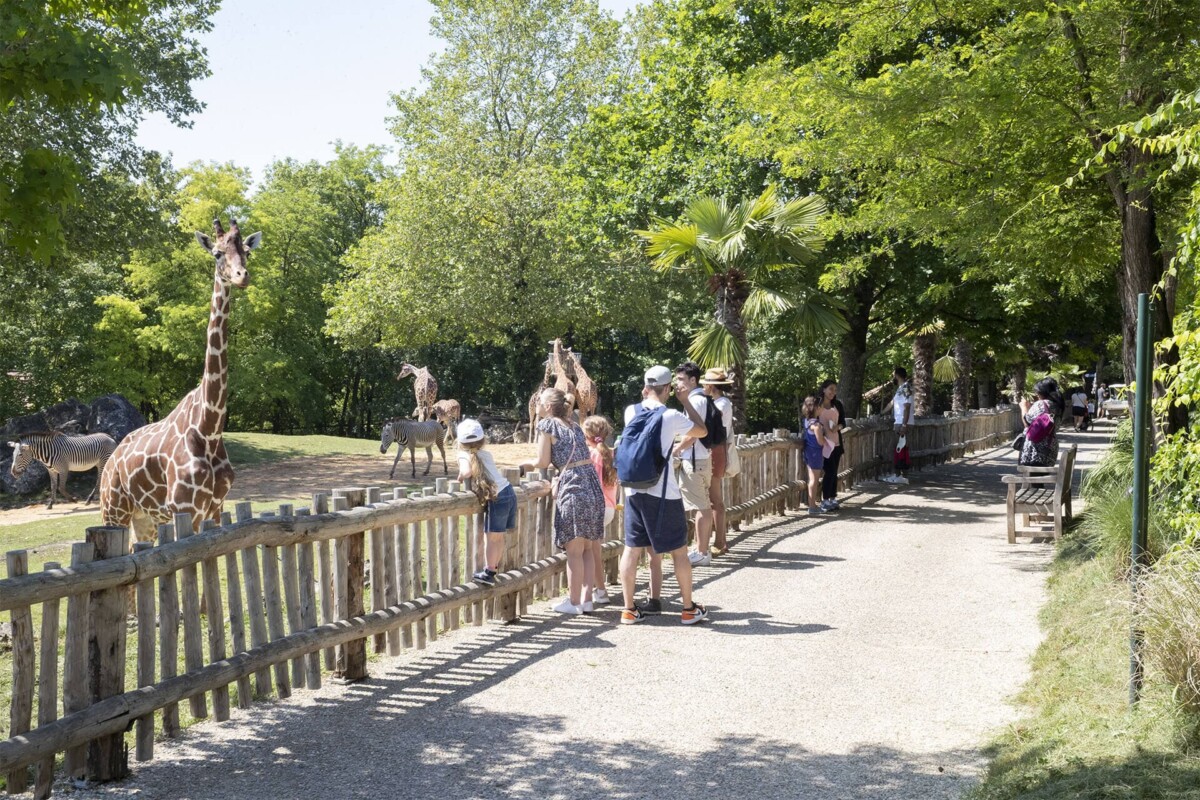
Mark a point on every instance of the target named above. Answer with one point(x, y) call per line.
point(246, 449)
point(1078, 738)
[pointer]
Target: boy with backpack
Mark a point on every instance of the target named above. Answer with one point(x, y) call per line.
point(654, 516)
point(693, 458)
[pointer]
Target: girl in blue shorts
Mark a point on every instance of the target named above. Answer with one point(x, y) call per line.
point(814, 450)
point(493, 490)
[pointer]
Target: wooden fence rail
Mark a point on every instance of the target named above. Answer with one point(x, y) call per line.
point(257, 606)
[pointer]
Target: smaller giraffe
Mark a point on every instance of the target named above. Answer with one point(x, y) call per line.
point(447, 412)
point(586, 397)
point(425, 388)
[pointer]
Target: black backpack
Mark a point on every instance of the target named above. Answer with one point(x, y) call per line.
point(715, 425)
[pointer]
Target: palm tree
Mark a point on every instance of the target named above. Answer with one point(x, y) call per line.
point(750, 253)
point(923, 348)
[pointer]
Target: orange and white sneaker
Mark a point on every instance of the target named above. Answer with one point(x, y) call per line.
point(631, 616)
point(691, 616)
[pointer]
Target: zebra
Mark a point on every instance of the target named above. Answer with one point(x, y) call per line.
point(62, 454)
point(413, 434)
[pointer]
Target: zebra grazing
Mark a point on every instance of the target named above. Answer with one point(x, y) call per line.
point(412, 434)
point(62, 454)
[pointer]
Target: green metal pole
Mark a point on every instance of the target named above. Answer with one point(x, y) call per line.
point(1141, 486)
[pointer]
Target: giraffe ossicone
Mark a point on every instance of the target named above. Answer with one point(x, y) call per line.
point(178, 464)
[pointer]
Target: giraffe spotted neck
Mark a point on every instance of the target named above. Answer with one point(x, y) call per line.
point(214, 388)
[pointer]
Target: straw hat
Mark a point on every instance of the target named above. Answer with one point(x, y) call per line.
point(716, 377)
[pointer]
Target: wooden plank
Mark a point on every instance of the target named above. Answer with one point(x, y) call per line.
point(456, 555)
point(237, 623)
point(21, 702)
point(274, 601)
point(107, 756)
point(168, 631)
point(375, 566)
point(508, 608)
point(355, 668)
point(146, 635)
point(215, 617)
point(290, 576)
point(418, 573)
point(254, 603)
point(433, 566)
point(189, 601)
point(308, 605)
point(391, 575)
point(75, 696)
point(325, 578)
point(442, 486)
point(404, 576)
point(48, 685)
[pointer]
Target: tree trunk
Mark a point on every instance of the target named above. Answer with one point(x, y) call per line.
point(924, 349)
point(853, 348)
point(728, 314)
point(1018, 383)
point(962, 384)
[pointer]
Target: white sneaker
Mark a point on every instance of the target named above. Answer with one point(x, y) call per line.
point(897, 479)
point(567, 607)
point(588, 607)
point(700, 559)
point(695, 556)
point(600, 597)
point(901, 479)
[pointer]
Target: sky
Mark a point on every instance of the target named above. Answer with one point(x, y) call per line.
point(291, 76)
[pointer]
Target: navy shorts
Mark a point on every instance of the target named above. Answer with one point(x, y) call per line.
point(500, 515)
point(642, 528)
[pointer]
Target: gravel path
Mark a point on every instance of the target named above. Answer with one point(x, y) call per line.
point(862, 655)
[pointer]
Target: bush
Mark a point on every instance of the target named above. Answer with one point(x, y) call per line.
point(1170, 617)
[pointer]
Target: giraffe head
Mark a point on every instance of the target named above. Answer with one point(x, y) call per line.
point(230, 252)
point(406, 370)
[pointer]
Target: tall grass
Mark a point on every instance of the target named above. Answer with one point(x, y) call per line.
point(1170, 616)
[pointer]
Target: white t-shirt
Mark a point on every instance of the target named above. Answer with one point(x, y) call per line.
point(1079, 399)
point(699, 401)
point(489, 467)
point(902, 399)
point(674, 423)
point(725, 406)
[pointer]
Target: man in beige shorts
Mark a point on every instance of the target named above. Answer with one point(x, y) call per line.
point(693, 466)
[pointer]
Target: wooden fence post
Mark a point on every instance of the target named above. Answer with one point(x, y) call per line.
point(507, 606)
point(107, 757)
point(145, 657)
point(21, 704)
point(352, 660)
point(75, 694)
point(48, 686)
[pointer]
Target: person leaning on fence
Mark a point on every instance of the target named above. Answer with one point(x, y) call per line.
point(578, 496)
point(654, 516)
point(492, 489)
point(597, 429)
point(814, 450)
point(902, 404)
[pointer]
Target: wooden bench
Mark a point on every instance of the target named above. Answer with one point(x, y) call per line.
point(1042, 495)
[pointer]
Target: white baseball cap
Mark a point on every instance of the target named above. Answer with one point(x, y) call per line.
point(469, 430)
point(659, 376)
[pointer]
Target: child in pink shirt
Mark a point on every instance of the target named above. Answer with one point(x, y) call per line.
point(597, 429)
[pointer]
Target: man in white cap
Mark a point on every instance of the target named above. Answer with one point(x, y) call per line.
point(654, 517)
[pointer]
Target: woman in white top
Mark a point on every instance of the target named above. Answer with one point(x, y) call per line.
point(715, 382)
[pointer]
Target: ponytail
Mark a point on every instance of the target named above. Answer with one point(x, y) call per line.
point(483, 486)
point(597, 429)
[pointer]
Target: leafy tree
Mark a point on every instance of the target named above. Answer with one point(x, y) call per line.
point(75, 79)
point(960, 124)
point(474, 248)
point(749, 254)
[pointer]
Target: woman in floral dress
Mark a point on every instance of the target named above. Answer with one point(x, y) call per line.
point(579, 498)
point(1049, 401)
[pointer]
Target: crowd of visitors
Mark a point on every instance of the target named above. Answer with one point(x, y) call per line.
point(671, 464)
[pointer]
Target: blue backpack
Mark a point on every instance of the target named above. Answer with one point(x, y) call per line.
point(640, 459)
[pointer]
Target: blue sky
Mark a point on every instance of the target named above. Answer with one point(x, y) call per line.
point(291, 76)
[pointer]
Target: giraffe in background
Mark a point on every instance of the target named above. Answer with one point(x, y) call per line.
point(563, 369)
point(586, 397)
point(178, 464)
point(425, 387)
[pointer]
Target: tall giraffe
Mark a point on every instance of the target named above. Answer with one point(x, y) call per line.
point(563, 368)
point(425, 387)
point(586, 397)
point(178, 464)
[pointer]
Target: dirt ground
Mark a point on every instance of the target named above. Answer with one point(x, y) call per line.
point(295, 478)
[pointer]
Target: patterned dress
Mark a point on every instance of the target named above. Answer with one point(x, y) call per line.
point(579, 506)
point(1045, 452)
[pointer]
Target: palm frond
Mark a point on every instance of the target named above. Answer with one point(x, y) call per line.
point(931, 328)
point(945, 369)
point(714, 345)
point(712, 218)
point(815, 314)
point(763, 303)
point(801, 214)
point(675, 246)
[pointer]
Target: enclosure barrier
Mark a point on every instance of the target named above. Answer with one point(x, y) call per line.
point(253, 606)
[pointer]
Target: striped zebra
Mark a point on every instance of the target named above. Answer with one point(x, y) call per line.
point(62, 454)
point(412, 434)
